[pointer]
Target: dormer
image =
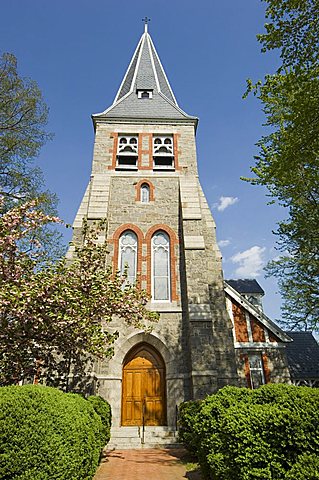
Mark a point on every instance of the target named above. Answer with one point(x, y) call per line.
point(144, 93)
point(127, 152)
point(163, 152)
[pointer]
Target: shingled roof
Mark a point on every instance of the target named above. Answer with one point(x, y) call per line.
point(145, 72)
point(246, 286)
point(303, 356)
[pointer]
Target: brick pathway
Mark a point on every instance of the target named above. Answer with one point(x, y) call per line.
point(148, 464)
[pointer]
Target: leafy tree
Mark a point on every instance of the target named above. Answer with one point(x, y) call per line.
point(23, 120)
point(55, 318)
point(288, 159)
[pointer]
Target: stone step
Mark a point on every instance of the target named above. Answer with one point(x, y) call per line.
point(131, 437)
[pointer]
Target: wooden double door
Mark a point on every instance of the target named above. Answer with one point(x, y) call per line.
point(143, 387)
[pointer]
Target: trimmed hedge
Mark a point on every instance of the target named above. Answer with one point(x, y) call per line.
point(103, 409)
point(186, 414)
point(270, 433)
point(46, 434)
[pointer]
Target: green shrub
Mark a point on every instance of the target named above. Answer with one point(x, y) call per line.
point(186, 418)
point(46, 434)
point(103, 409)
point(264, 434)
point(306, 468)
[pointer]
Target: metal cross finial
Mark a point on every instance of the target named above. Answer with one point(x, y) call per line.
point(146, 20)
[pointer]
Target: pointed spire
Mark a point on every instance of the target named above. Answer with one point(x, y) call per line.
point(145, 70)
point(145, 73)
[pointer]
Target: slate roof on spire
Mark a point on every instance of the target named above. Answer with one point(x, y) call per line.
point(145, 72)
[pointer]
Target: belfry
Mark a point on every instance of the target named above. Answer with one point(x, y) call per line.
point(145, 183)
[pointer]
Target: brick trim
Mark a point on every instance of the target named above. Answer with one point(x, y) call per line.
point(115, 136)
point(138, 190)
point(176, 151)
point(173, 238)
point(140, 240)
point(141, 151)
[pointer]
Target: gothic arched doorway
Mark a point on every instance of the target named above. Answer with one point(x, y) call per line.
point(143, 387)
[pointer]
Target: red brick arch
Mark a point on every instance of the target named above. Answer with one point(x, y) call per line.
point(138, 190)
point(173, 243)
point(140, 239)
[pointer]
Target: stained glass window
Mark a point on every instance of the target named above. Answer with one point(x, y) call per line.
point(160, 267)
point(128, 255)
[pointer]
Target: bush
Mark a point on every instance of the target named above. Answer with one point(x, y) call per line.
point(103, 409)
point(261, 434)
point(46, 434)
point(186, 414)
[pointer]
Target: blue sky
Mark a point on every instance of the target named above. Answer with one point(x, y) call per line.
point(78, 52)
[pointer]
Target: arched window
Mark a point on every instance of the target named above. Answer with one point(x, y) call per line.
point(161, 267)
point(128, 255)
point(145, 193)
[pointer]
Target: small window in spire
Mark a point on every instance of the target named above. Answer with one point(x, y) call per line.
point(147, 93)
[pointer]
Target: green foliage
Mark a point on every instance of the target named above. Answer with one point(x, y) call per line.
point(306, 468)
point(186, 414)
point(46, 434)
point(288, 159)
point(103, 409)
point(23, 118)
point(267, 433)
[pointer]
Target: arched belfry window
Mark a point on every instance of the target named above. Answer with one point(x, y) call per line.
point(128, 255)
point(161, 283)
point(145, 193)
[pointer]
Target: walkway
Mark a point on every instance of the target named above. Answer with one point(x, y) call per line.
point(148, 464)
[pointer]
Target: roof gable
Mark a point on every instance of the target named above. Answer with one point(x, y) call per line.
point(255, 312)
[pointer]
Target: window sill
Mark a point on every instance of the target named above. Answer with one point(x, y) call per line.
point(171, 169)
point(126, 167)
point(164, 307)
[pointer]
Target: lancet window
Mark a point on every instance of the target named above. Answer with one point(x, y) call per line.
point(145, 193)
point(128, 255)
point(161, 267)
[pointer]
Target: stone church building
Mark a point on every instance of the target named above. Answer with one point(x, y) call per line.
point(145, 182)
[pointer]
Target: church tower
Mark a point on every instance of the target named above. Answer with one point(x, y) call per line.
point(145, 183)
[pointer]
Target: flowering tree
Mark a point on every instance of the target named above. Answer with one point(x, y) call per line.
point(54, 317)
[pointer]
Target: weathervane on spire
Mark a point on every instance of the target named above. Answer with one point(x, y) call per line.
point(146, 20)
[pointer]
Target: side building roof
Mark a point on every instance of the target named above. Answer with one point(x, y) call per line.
point(246, 286)
point(303, 356)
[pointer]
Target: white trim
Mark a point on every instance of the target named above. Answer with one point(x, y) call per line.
point(128, 69)
point(229, 308)
point(250, 333)
point(258, 345)
point(163, 71)
point(152, 62)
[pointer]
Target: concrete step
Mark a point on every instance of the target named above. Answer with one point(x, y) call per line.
point(131, 437)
